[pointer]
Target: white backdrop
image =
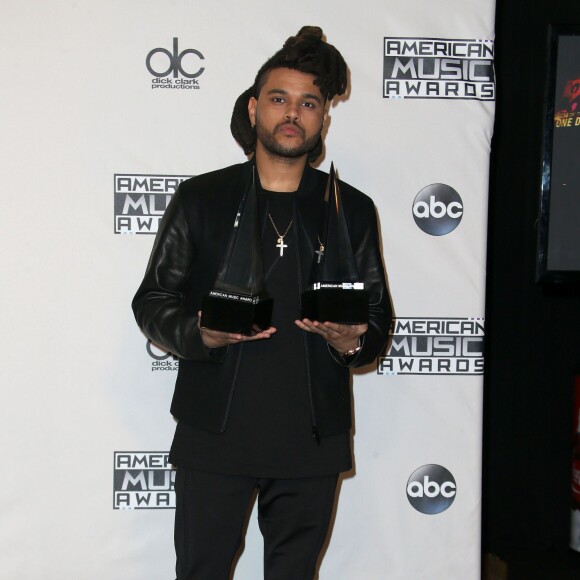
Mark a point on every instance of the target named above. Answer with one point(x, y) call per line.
point(78, 383)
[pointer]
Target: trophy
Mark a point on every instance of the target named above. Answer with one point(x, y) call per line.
point(239, 302)
point(335, 292)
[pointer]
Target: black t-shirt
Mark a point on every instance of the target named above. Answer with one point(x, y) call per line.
point(269, 429)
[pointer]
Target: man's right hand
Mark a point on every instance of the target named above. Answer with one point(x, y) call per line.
point(217, 338)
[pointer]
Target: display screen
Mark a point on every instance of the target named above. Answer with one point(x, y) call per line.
point(559, 235)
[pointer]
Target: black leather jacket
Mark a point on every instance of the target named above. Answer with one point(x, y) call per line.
point(183, 266)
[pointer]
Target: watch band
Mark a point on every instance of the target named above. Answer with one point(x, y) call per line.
point(352, 351)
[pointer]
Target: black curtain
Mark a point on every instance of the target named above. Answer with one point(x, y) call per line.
point(533, 333)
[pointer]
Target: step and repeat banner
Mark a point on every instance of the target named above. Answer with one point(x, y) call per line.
point(106, 108)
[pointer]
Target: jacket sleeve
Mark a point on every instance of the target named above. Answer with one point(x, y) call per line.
point(371, 271)
point(159, 307)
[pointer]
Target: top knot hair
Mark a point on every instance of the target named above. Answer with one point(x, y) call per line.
point(306, 52)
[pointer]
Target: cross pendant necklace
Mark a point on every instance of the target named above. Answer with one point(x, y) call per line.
point(320, 251)
point(281, 245)
point(280, 242)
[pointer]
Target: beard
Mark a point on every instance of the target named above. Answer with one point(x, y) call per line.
point(270, 144)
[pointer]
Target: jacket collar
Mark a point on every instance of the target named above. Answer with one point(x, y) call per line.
point(308, 182)
point(307, 213)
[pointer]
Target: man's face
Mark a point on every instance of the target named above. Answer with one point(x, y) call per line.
point(288, 114)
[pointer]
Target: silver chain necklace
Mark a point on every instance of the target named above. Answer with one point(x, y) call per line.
point(280, 242)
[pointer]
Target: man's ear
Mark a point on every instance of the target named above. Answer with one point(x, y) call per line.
point(252, 104)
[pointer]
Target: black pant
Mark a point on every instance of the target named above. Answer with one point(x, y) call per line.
point(293, 515)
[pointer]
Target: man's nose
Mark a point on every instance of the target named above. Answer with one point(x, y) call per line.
point(292, 112)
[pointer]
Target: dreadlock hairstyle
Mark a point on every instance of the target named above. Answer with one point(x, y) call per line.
point(308, 53)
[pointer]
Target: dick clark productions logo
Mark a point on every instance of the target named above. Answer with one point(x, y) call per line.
point(431, 489)
point(437, 209)
point(162, 360)
point(185, 67)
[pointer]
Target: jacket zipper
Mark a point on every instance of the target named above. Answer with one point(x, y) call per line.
point(235, 377)
point(315, 432)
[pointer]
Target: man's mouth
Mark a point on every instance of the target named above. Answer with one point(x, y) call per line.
point(290, 129)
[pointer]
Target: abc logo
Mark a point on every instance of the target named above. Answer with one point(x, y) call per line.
point(431, 489)
point(437, 209)
point(175, 62)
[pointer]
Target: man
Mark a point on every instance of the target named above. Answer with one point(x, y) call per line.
point(269, 411)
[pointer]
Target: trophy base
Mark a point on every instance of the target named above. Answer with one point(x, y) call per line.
point(239, 313)
point(344, 303)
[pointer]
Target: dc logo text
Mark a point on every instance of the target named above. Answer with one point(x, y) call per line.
point(175, 62)
point(163, 361)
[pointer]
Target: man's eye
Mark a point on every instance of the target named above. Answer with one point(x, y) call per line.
point(309, 105)
point(278, 100)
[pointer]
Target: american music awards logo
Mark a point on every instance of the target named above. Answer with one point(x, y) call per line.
point(434, 346)
point(175, 69)
point(143, 480)
point(141, 200)
point(438, 68)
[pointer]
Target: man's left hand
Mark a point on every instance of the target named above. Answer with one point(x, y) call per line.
point(341, 337)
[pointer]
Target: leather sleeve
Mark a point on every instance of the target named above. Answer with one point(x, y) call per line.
point(371, 272)
point(159, 307)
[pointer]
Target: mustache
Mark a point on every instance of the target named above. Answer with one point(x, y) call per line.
point(290, 123)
